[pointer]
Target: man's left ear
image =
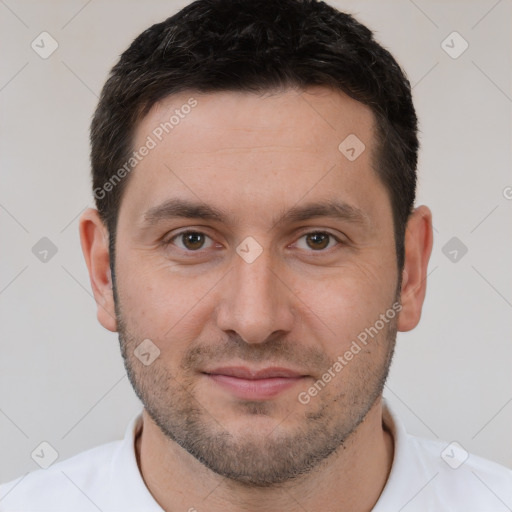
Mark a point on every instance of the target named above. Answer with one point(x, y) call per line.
point(418, 248)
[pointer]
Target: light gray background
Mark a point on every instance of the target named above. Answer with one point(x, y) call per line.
point(61, 375)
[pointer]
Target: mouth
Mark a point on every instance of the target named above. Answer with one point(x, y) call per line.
point(252, 384)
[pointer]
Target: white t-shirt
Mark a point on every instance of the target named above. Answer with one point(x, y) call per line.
point(426, 476)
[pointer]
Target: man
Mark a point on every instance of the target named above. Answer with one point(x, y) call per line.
point(257, 248)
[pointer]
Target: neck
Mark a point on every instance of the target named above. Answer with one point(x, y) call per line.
point(350, 479)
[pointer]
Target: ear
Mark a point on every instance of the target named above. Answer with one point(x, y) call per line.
point(418, 248)
point(94, 240)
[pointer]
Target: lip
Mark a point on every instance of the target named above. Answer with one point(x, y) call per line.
point(251, 384)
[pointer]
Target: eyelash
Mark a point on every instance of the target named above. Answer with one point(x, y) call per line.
point(169, 241)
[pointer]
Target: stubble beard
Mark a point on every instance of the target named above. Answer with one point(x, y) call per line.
point(247, 457)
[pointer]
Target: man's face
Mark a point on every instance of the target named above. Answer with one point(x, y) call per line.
point(252, 289)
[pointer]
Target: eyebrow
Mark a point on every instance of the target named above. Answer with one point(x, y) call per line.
point(332, 208)
point(181, 208)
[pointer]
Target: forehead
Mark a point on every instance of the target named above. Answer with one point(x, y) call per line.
point(305, 119)
point(262, 150)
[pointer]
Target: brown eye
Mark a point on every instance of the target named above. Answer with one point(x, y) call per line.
point(191, 241)
point(318, 241)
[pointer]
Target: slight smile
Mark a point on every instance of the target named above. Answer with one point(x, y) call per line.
point(250, 384)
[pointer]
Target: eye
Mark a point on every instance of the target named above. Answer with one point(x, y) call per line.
point(190, 241)
point(318, 241)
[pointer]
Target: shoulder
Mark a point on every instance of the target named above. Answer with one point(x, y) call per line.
point(73, 484)
point(450, 478)
point(460, 467)
point(432, 475)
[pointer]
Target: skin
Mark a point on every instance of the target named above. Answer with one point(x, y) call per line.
point(297, 306)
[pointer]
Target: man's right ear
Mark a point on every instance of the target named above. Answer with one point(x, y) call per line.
point(95, 246)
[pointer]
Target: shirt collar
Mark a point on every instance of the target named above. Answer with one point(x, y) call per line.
point(128, 492)
point(407, 469)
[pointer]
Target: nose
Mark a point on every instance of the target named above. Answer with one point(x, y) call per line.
point(255, 303)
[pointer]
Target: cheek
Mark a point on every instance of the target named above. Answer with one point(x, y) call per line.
point(160, 305)
point(347, 303)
